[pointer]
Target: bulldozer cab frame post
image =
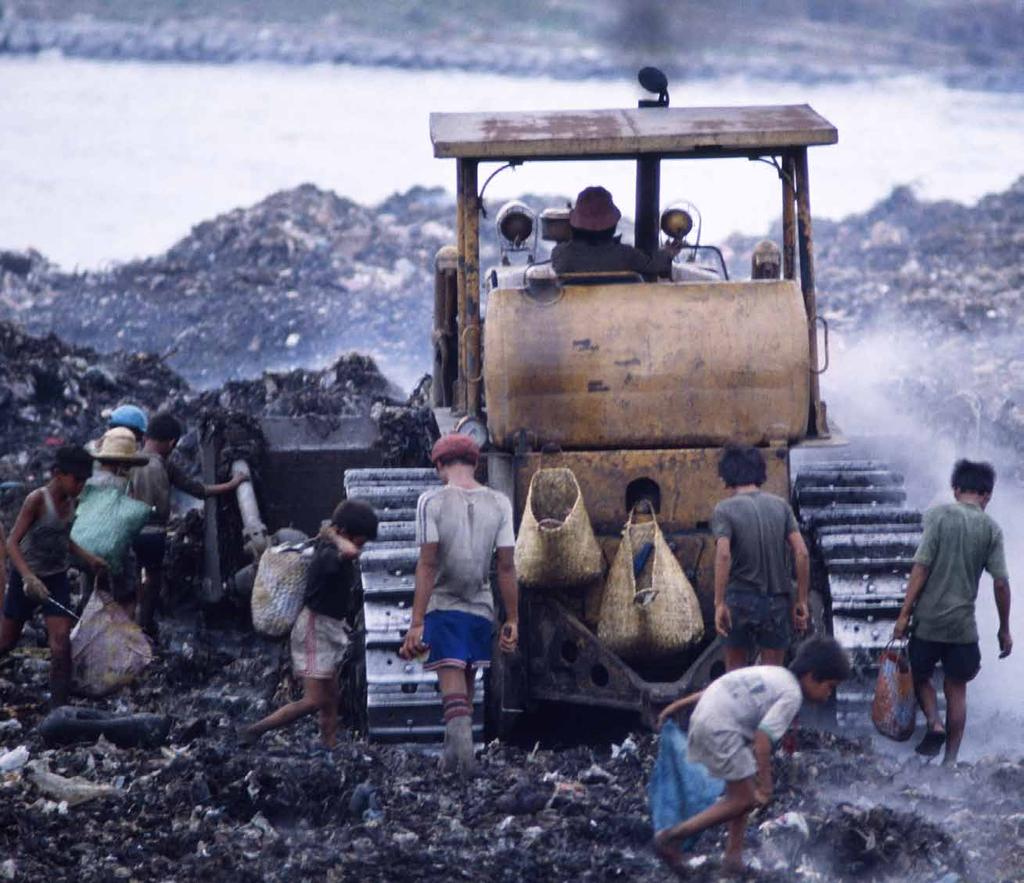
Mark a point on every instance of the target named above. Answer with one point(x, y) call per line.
point(779, 134)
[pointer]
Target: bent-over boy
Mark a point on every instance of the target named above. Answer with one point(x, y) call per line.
point(737, 720)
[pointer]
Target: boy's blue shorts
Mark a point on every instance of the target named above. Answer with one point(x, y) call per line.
point(457, 639)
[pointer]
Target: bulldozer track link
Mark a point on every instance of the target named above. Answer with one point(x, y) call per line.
point(403, 704)
point(863, 538)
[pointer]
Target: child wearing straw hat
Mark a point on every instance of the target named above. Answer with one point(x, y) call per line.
point(116, 453)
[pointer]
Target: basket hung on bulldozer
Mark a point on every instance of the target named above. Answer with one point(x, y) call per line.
point(632, 386)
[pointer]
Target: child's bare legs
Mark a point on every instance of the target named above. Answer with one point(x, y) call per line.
point(736, 657)
point(929, 703)
point(318, 694)
point(956, 717)
point(150, 586)
point(733, 860)
point(733, 806)
point(772, 656)
point(58, 632)
point(456, 685)
point(10, 632)
point(329, 714)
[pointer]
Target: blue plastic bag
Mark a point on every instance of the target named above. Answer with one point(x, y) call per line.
point(678, 789)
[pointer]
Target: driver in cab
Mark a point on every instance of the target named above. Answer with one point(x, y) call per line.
point(594, 247)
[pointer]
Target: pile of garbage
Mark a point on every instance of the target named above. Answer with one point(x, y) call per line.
point(291, 282)
point(936, 290)
point(53, 393)
point(202, 805)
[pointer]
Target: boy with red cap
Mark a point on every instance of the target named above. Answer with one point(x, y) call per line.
point(594, 247)
point(458, 528)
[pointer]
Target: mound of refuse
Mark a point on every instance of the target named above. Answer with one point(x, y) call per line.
point(293, 281)
point(202, 805)
point(54, 393)
point(931, 295)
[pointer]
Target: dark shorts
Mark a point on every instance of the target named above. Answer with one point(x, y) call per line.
point(19, 606)
point(758, 620)
point(457, 639)
point(960, 662)
point(149, 548)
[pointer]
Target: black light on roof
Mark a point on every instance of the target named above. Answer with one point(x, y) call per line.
point(653, 80)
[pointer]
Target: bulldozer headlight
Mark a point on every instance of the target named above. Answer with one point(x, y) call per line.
point(515, 223)
point(676, 222)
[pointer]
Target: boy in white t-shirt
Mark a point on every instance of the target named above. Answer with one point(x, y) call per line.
point(738, 719)
point(459, 528)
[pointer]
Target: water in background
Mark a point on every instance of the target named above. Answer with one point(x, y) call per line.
point(111, 161)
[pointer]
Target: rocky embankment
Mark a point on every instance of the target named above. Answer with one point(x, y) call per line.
point(971, 46)
point(52, 393)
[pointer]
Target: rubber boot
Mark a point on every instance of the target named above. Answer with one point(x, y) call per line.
point(449, 762)
point(460, 730)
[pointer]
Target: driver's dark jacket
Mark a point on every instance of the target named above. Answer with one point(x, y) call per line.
point(609, 256)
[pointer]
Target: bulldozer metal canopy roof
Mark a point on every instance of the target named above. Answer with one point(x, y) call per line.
point(564, 134)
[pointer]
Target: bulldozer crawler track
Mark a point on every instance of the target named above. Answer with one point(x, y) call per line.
point(863, 538)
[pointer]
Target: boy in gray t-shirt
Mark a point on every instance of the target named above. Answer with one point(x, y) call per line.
point(459, 527)
point(738, 719)
point(755, 534)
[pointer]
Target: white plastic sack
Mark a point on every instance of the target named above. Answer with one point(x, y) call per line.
point(280, 588)
point(108, 650)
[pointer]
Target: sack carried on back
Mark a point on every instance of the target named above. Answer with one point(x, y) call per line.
point(894, 709)
point(649, 609)
point(556, 547)
point(280, 588)
point(107, 520)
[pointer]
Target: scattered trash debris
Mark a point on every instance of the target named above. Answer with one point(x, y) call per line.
point(71, 791)
point(14, 759)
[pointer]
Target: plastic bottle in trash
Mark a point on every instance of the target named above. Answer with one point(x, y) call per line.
point(14, 759)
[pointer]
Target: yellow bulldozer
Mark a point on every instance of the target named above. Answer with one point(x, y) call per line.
point(635, 386)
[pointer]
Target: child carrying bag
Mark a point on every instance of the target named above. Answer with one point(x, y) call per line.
point(280, 587)
point(678, 789)
point(649, 610)
point(556, 547)
point(107, 520)
point(894, 709)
